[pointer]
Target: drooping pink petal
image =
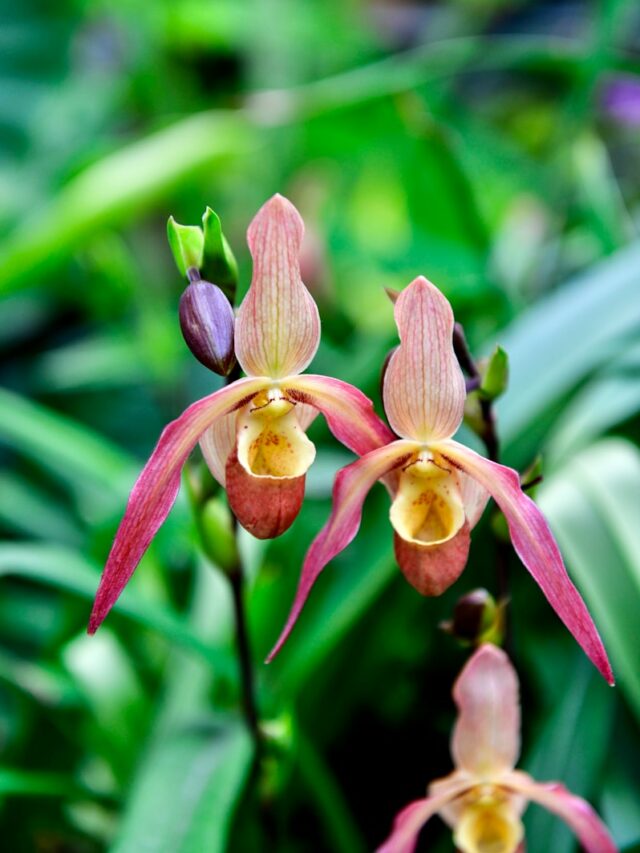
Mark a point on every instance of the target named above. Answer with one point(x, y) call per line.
point(535, 545)
point(409, 822)
point(351, 487)
point(431, 569)
point(277, 328)
point(590, 831)
point(349, 413)
point(486, 737)
point(156, 489)
point(216, 445)
point(424, 389)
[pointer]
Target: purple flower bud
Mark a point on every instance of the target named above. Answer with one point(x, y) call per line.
point(206, 320)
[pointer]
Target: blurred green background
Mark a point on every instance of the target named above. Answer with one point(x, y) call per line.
point(489, 145)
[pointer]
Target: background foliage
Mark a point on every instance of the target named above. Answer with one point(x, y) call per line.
point(478, 142)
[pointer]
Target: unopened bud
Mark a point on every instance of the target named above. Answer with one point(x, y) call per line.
point(206, 320)
point(216, 532)
point(495, 375)
point(476, 619)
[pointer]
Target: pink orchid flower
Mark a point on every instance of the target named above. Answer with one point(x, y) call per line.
point(252, 433)
point(483, 799)
point(439, 487)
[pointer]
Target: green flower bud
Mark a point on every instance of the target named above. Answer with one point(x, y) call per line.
point(495, 375)
point(219, 263)
point(187, 245)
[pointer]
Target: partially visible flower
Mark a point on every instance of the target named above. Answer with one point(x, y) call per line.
point(621, 99)
point(439, 487)
point(252, 432)
point(484, 798)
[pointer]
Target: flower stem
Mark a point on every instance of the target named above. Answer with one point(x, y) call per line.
point(491, 440)
point(249, 704)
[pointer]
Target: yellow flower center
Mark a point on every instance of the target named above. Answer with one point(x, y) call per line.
point(490, 825)
point(428, 508)
point(271, 442)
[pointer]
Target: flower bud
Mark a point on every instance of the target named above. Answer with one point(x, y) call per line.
point(476, 619)
point(495, 375)
point(206, 320)
point(217, 535)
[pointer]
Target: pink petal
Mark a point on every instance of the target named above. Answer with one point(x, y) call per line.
point(409, 822)
point(216, 445)
point(349, 413)
point(278, 328)
point(351, 487)
point(156, 489)
point(431, 569)
point(474, 498)
point(424, 389)
point(590, 831)
point(486, 737)
point(535, 545)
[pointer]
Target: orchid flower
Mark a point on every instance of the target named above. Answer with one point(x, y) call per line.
point(439, 487)
point(483, 799)
point(252, 432)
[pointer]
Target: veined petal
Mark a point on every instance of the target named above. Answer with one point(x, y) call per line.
point(351, 486)
point(535, 545)
point(216, 444)
point(349, 413)
point(156, 489)
point(590, 831)
point(486, 737)
point(409, 822)
point(277, 328)
point(424, 389)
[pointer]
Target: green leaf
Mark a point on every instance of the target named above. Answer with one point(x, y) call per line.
point(593, 506)
point(69, 571)
point(26, 783)
point(75, 453)
point(184, 797)
point(119, 186)
point(571, 748)
point(564, 337)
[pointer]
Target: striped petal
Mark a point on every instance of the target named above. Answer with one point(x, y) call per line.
point(535, 545)
point(351, 487)
point(424, 389)
point(278, 328)
point(157, 486)
point(348, 412)
point(590, 831)
point(486, 737)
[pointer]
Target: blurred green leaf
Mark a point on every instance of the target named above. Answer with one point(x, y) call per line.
point(571, 747)
point(184, 798)
point(593, 505)
point(560, 340)
point(69, 571)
